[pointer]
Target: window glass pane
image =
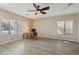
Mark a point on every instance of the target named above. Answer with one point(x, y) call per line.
point(5, 26)
point(68, 27)
point(0, 25)
point(13, 27)
point(60, 27)
point(19, 28)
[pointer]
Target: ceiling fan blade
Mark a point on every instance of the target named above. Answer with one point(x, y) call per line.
point(35, 13)
point(46, 8)
point(43, 12)
point(35, 5)
point(31, 10)
point(69, 4)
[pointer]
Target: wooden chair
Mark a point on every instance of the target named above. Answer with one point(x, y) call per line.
point(34, 34)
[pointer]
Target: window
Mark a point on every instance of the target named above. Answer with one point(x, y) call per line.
point(5, 26)
point(68, 27)
point(65, 27)
point(12, 27)
point(60, 27)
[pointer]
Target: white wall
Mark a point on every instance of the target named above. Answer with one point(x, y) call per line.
point(8, 38)
point(47, 27)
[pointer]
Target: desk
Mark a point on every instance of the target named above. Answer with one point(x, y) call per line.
point(26, 35)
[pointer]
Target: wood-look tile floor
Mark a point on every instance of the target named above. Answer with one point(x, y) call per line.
point(39, 47)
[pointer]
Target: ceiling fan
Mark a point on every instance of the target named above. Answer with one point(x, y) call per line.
point(41, 10)
point(68, 5)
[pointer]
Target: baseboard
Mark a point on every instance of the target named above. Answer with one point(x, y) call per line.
point(10, 41)
point(59, 39)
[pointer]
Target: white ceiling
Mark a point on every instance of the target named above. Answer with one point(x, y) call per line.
point(55, 9)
